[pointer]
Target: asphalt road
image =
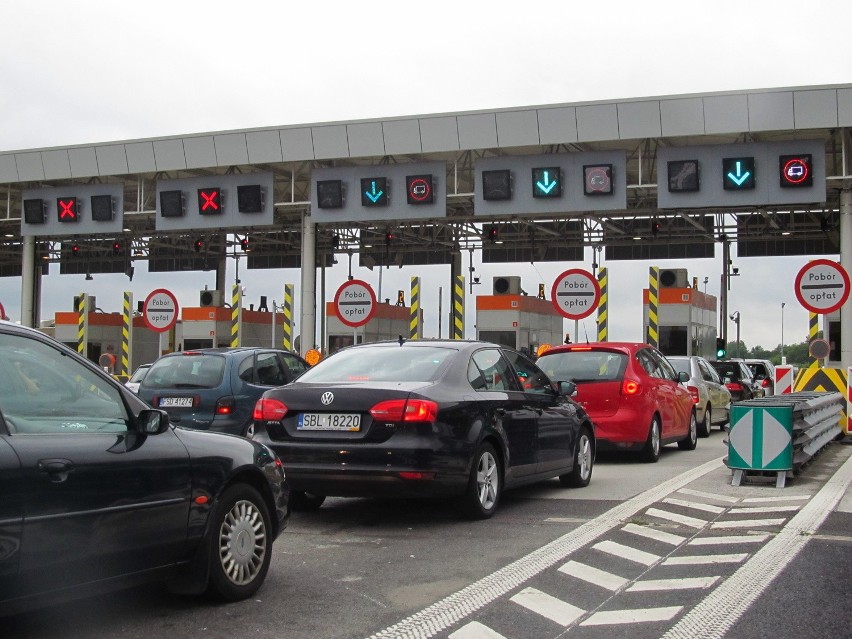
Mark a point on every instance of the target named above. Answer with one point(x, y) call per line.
point(359, 568)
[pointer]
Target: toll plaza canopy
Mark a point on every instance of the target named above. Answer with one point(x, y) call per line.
point(767, 171)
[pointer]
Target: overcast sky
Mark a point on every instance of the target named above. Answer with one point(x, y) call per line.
point(89, 72)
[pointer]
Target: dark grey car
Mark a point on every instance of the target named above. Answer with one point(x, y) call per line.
point(216, 388)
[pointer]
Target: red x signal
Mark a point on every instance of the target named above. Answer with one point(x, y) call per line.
point(209, 201)
point(67, 208)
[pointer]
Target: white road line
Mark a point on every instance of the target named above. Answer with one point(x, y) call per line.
point(475, 630)
point(455, 607)
point(687, 583)
point(710, 496)
point(756, 510)
point(759, 500)
point(593, 575)
point(654, 533)
point(729, 539)
point(723, 607)
point(697, 505)
point(612, 617)
point(692, 522)
point(627, 552)
point(698, 560)
point(748, 523)
point(554, 609)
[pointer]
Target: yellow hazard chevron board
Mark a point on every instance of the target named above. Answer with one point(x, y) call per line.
point(825, 380)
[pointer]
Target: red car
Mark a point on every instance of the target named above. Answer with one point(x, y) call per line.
point(632, 393)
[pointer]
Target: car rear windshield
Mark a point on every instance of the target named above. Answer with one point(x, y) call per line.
point(186, 371)
point(380, 364)
point(680, 365)
point(584, 366)
point(728, 369)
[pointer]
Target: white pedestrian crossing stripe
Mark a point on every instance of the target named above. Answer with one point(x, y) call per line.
point(759, 510)
point(627, 552)
point(747, 523)
point(692, 522)
point(641, 615)
point(475, 630)
point(554, 609)
point(696, 505)
point(593, 575)
point(698, 560)
point(653, 533)
point(686, 583)
point(729, 539)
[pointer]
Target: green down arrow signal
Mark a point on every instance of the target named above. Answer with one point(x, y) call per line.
point(546, 185)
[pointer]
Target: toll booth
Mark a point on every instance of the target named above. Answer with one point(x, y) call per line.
point(686, 316)
point(389, 321)
point(105, 336)
point(210, 327)
point(513, 319)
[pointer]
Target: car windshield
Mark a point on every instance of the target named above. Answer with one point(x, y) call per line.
point(584, 366)
point(380, 364)
point(195, 370)
point(680, 365)
point(728, 369)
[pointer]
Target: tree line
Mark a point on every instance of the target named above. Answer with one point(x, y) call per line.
point(796, 354)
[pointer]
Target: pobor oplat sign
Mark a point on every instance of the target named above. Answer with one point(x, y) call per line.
point(575, 293)
point(355, 303)
point(822, 286)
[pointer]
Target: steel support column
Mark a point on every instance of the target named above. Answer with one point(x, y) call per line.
point(308, 314)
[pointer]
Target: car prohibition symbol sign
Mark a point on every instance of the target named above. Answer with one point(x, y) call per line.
point(822, 286)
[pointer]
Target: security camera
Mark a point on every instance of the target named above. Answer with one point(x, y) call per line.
point(476, 280)
point(736, 271)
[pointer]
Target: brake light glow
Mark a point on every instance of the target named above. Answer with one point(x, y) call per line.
point(765, 382)
point(401, 410)
point(693, 390)
point(269, 410)
point(190, 353)
point(631, 387)
point(580, 348)
point(734, 386)
point(225, 406)
point(406, 474)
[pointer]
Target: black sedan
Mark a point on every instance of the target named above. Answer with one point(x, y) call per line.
point(98, 491)
point(425, 418)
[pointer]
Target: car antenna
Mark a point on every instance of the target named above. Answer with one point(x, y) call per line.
point(586, 332)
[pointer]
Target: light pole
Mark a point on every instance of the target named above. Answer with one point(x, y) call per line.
point(735, 317)
point(783, 361)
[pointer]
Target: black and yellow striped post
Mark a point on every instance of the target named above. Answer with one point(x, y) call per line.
point(287, 326)
point(83, 324)
point(126, 333)
point(458, 307)
point(653, 306)
point(414, 316)
point(603, 316)
point(813, 329)
point(236, 316)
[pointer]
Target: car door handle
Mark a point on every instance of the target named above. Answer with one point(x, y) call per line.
point(56, 469)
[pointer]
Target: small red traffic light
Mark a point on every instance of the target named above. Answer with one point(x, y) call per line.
point(116, 247)
point(199, 244)
point(75, 250)
point(493, 233)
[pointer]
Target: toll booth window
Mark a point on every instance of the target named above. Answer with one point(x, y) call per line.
point(504, 338)
point(673, 340)
point(834, 340)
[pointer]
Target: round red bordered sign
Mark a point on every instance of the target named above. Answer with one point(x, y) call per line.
point(355, 303)
point(575, 293)
point(822, 286)
point(160, 310)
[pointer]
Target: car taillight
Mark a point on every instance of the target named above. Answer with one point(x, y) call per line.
point(401, 410)
point(765, 382)
point(225, 406)
point(630, 387)
point(734, 386)
point(693, 391)
point(269, 410)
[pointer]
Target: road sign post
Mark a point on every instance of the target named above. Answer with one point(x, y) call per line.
point(822, 286)
point(575, 294)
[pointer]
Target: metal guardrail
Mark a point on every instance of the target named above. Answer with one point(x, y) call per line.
point(761, 439)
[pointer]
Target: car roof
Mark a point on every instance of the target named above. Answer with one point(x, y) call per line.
point(624, 347)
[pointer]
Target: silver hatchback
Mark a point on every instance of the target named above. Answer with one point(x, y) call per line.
point(712, 400)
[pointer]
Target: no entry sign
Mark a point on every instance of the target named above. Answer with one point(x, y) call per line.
point(355, 303)
point(575, 293)
point(160, 310)
point(822, 286)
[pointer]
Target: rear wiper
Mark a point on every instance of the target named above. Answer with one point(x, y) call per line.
point(189, 386)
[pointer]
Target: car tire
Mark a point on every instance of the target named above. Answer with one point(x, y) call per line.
point(691, 440)
point(584, 460)
point(301, 501)
point(651, 452)
point(240, 544)
point(484, 485)
point(248, 430)
point(704, 426)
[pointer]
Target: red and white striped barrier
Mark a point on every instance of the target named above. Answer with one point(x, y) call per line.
point(783, 380)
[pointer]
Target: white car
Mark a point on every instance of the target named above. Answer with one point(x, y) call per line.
point(712, 400)
point(137, 377)
point(764, 372)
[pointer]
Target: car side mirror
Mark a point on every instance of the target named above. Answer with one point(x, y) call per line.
point(152, 422)
point(567, 388)
point(683, 377)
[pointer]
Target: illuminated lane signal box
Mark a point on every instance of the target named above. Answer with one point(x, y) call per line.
point(753, 174)
point(78, 209)
point(379, 193)
point(236, 200)
point(550, 183)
